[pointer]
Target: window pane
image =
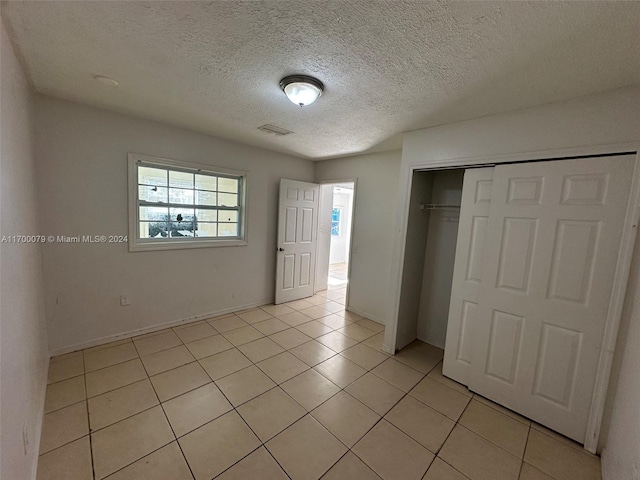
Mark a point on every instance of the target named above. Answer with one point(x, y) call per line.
point(336, 213)
point(228, 216)
point(153, 194)
point(228, 199)
point(177, 233)
point(181, 195)
point(180, 202)
point(182, 222)
point(207, 215)
point(206, 182)
point(228, 229)
point(157, 214)
point(181, 215)
point(205, 198)
point(228, 185)
point(153, 229)
point(180, 179)
point(152, 176)
point(207, 230)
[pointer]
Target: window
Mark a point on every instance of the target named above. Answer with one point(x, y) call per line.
point(180, 205)
point(336, 214)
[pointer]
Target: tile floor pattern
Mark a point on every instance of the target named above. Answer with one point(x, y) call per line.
point(274, 393)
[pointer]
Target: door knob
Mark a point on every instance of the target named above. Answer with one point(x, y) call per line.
point(281, 249)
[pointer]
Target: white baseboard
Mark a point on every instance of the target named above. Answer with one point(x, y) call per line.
point(430, 342)
point(374, 318)
point(154, 328)
point(43, 395)
point(362, 313)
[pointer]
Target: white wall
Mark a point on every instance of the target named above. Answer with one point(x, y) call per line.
point(82, 167)
point(340, 244)
point(601, 119)
point(23, 345)
point(621, 429)
point(439, 258)
point(373, 223)
point(589, 123)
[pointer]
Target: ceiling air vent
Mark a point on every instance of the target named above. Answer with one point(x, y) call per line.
point(275, 130)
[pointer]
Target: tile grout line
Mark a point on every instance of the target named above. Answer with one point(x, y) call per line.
point(487, 439)
point(374, 333)
point(169, 422)
point(86, 398)
point(382, 417)
point(449, 435)
point(175, 439)
point(234, 408)
point(290, 425)
point(526, 442)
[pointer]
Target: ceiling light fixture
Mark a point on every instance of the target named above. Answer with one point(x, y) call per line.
point(301, 89)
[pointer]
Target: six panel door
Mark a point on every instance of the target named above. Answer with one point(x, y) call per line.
point(467, 273)
point(551, 252)
point(296, 245)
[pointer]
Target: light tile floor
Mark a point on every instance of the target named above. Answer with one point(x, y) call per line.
point(284, 392)
point(338, 274)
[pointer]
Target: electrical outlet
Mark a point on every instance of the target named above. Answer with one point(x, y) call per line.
point(124, 301)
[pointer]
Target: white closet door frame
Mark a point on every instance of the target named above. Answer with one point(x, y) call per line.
point(622, 267)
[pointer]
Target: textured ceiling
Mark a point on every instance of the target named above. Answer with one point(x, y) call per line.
point(388, 67)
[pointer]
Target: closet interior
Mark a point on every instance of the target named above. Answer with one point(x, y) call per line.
point(430, 253)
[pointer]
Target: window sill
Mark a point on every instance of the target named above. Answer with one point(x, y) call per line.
point(137, 246)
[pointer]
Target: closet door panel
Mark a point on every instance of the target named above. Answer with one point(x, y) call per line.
point(551, 250)
point(467, 273)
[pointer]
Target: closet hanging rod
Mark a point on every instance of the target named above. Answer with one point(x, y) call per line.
point(438, 206)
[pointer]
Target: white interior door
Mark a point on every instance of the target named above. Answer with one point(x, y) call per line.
point(467, 272)
point(297, 234)
point(553, 241)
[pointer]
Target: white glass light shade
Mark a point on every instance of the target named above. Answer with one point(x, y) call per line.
point(301, 89)
point(302, 93)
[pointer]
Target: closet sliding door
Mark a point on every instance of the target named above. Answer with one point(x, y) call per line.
point(467, 272)
point(551, 249)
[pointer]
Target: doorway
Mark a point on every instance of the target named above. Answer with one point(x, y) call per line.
point(334, 236)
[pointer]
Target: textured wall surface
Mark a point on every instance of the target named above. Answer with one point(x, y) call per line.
point(24, 355)
point(621, 452)
point(388, 66)
point(373, 220)
point(82, 175)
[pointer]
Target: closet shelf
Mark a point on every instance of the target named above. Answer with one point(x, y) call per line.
point(438, 206)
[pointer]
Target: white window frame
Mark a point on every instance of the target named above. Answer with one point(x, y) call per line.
point(137, 244)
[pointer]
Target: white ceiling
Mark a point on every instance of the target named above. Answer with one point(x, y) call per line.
point(388, 66)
